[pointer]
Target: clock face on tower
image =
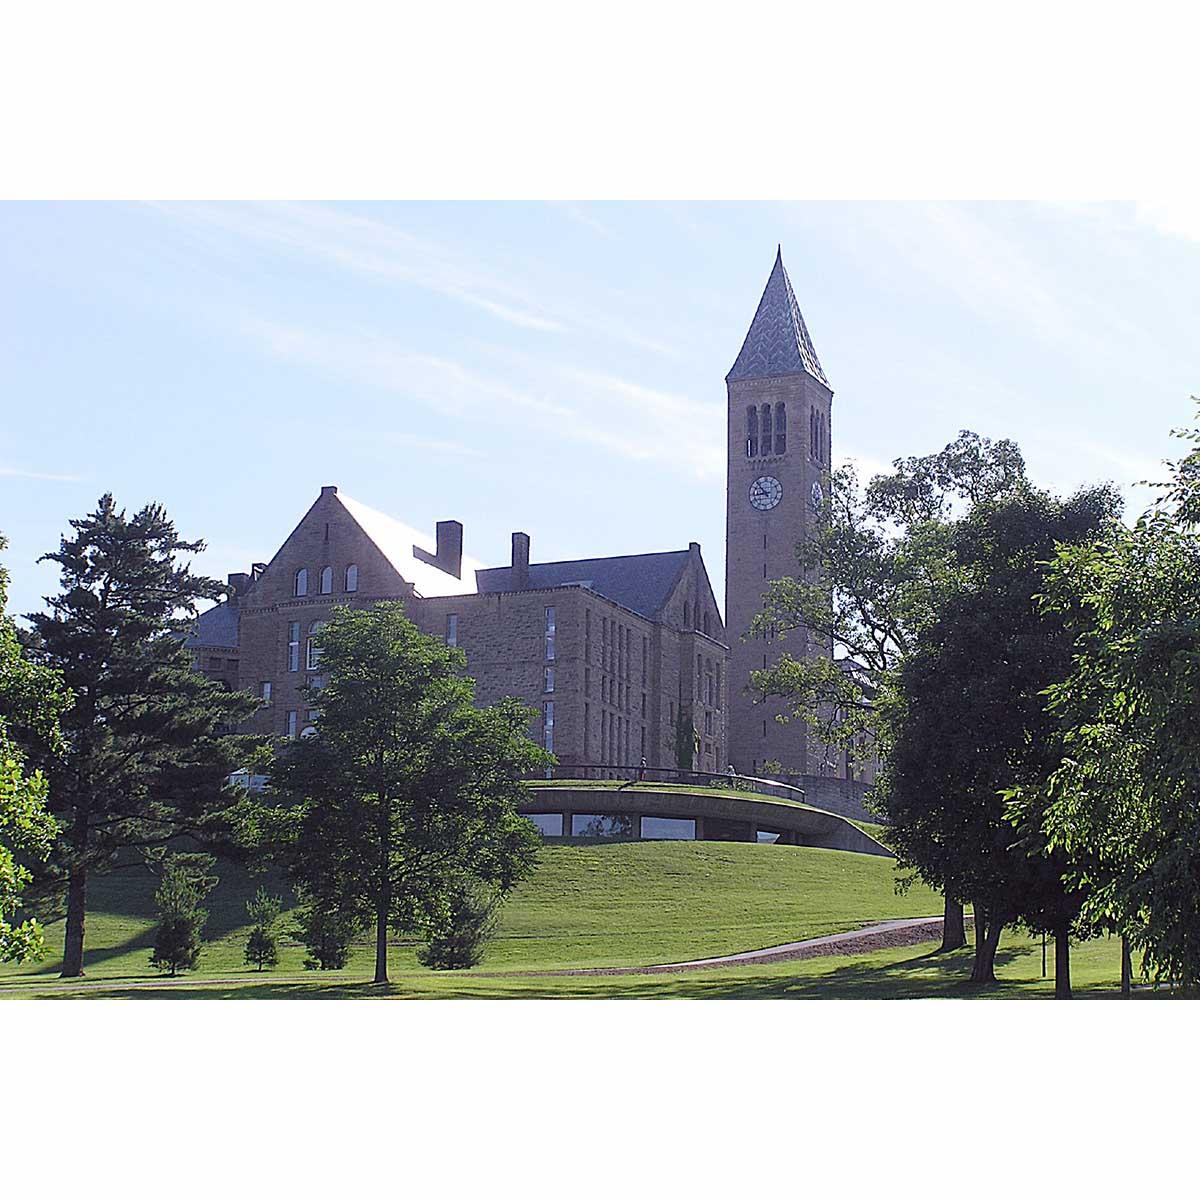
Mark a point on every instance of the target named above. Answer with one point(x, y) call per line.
point(765, 492)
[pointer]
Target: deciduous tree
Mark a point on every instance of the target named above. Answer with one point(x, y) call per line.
point(870, 575)
point(406, 787)
point(966, 719)
point(32, 699)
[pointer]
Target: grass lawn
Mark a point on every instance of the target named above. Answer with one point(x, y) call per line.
point(586, 906)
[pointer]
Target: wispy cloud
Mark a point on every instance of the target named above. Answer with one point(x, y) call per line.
point(48, 476)
point(582, 216)
point(371, 247)
point(636, 422)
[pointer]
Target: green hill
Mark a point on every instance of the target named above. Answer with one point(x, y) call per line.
point(586, 905)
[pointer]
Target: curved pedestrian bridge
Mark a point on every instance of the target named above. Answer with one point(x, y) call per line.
point(591, 809)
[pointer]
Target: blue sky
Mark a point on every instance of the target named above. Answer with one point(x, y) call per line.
point(557, 368)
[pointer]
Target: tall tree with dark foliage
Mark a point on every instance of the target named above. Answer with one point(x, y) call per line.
point(147, 749)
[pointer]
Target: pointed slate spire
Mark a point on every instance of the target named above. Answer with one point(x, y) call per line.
point(778, 341)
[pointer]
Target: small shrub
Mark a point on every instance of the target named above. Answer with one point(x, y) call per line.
point(186, 880)
point(262, 946)
point(459, 933)
point(326, 934)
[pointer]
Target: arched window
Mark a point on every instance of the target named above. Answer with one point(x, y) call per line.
point(326, 580)
point(687, 615)
point(766, 428)
point(314, 651)
point(352, 577)
point(780, 428)
point(301, 588)
point(752, 432)
point(812, 433)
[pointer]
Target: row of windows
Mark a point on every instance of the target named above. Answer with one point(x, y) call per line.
point(763, 435)
point(349, 580)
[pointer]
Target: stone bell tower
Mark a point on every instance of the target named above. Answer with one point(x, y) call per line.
point(778, 469)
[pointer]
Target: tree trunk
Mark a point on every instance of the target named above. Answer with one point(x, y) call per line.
point(1062, 964)
point(383, 897)
point(988, 927)
point(954, 927)
point(72, 966)
point(1126, 969)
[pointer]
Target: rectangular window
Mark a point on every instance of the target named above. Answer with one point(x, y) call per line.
point(452, 629)
point(587, 730)
point(587, 681)
point(264, 691)
point(643, 706)
point(547, 824)
point(293, 653)
point(548, 682)
point(708, 723)
point(550, 633)
point(645, 659)
point(291, 723)
point(548, 725)
point(214, 664)
point(600, 826)
point(668, 829)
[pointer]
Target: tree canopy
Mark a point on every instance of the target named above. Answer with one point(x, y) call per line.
point(966, 716)
point(32, 698)
point(1124, 804)
point(406, 787)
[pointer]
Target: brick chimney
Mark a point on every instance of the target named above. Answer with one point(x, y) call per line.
point(449, 547)
point(520, 562)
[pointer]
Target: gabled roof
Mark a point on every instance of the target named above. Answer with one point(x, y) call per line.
point(640, 582)
point(216, 626)
point(778, 341)
point(396, 542)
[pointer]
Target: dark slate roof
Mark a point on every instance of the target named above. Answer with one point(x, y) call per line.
point(640, 582)
point(216, 626)
point(778, 341)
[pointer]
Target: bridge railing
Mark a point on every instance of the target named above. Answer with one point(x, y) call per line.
point(593, 772)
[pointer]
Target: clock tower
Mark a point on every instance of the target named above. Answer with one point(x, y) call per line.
point(778, 468)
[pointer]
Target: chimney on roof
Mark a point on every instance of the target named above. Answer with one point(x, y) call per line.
point(520, 562)
point(449, 547)
point(694, 548)
point(330, 489)
point(239, 585)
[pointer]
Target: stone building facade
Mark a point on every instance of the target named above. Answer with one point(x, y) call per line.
point(623, 658)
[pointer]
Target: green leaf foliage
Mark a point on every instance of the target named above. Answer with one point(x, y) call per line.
point(406, 787)
point(32, 698)
point(1124, 805)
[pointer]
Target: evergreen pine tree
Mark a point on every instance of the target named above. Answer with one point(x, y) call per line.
point(262, 946)
point(186, 881)
point(147, 751)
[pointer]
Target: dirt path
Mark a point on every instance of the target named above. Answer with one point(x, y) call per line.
point(906, 932)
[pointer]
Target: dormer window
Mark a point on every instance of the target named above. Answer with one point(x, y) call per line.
point(352, 577)
point(326, 580)
point(301, 585)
